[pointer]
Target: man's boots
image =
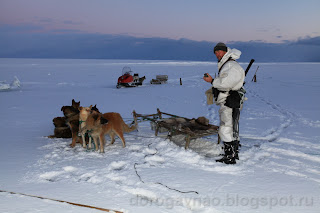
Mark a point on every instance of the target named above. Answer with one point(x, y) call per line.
point(229, 153)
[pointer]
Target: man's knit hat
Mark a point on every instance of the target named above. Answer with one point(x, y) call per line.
point(220, 46)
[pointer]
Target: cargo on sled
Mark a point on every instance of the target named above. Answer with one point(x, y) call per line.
point(177, 125)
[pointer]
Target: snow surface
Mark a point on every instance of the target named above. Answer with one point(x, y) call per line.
point(278, 170)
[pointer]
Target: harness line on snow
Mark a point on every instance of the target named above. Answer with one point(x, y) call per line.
point(62, 201)
point(184, 192)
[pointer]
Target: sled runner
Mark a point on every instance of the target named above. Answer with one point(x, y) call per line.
point(177, 125)
point(129, 80)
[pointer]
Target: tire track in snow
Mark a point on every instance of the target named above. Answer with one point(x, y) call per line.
point(288, 156)
point(295, 154)
point(287, 118)
point(292, 162)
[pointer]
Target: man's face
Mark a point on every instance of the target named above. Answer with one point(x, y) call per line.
point(219, 54)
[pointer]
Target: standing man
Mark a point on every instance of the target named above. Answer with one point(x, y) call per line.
point(228, 94)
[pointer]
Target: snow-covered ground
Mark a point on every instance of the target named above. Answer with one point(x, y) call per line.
point(278, 170)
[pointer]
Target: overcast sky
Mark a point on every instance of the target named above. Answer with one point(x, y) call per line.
point(271, 21)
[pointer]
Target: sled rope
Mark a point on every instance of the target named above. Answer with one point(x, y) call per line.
point(140, 136)
point(135, 168)
point(62, 201)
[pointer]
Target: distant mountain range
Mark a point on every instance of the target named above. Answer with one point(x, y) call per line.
point(101, 46)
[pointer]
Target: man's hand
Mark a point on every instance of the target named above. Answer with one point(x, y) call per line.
point(207, 78)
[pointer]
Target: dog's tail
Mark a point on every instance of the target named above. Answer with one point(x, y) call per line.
point(130, 128)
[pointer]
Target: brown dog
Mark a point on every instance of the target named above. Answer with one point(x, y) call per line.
point(108, 123)
point(59, 122)
point(84, 113)
point(71, 114)
point(61, 129)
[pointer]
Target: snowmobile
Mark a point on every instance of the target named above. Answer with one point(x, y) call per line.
point(129, 80)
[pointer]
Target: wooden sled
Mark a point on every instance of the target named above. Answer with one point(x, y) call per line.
point(177, 125)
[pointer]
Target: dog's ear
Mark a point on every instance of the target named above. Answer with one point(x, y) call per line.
point(90, 107)
point(94, 108)
point(62, 108)
point(103, 120)
point(75, 104)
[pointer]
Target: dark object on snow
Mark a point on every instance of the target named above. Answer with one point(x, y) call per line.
point(230, 152)
point(67, 126)
point(129, 80)
point(59, 122)
point(61, 129)
point(254, 79)
point(160, 79)
point(61, 132)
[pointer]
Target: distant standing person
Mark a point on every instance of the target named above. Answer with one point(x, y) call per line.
point(228, 93)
